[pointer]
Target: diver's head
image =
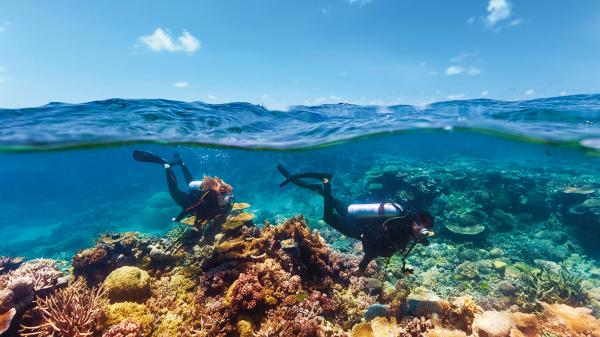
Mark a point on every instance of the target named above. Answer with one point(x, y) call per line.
point(422, 226)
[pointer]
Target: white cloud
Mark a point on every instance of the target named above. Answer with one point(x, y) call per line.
point(462, 57)
point(211, 97)
point(515, 22)
point(474, 71)
point(454, 70)
point(455, 96)
point(498, 10)
point(529, 92)
point(359, 2)
point(457, 70)
point(484, 93)
point(2, 28)
point(563, 93)
point(182, 84)
point(161, 40)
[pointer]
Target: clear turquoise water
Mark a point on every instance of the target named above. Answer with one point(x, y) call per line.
point(54, 203)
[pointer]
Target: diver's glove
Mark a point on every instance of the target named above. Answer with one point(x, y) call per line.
point(407, 271)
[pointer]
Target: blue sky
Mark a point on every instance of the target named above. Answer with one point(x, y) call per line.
point(283, 52)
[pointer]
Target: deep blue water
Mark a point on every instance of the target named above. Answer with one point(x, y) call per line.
point(54, 203)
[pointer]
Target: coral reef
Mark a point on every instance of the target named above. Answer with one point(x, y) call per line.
point(127, 284)
point(124, 329)
point(73, 311)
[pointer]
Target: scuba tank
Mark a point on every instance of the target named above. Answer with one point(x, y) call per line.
point(372, 211)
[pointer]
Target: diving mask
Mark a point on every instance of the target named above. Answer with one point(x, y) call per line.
point(426, 232)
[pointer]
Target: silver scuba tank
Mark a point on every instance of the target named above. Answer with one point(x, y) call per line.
point(370, 211)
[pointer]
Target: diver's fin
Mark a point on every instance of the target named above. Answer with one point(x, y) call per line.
point(148, 157)
point(295, 177)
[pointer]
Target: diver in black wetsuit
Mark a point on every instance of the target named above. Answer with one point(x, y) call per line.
point(383, 229)
point(206, 198)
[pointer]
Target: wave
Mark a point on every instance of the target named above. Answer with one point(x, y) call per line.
point(567, 120)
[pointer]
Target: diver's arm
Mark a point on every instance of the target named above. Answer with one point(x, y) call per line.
point(367, 258)
point(208, 199)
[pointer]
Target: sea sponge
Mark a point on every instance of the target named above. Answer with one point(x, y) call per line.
point(6, 319)
point(128, 284)
point(564, 320)
point(118, 313)
point(505, 324)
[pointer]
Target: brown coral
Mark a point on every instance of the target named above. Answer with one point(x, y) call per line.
point(9, 263)
point(70, 312)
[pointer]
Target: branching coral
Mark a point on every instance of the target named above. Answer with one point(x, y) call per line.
point(42, 271)
point(70, 312)
point(546, 285)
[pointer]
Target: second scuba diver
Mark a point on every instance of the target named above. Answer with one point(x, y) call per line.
point(383, 229)
point(206, 199)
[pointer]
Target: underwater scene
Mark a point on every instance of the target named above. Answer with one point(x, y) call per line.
point(466, 218)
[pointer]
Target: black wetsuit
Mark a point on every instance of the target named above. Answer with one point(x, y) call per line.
point(202, 204)
point(376, 242)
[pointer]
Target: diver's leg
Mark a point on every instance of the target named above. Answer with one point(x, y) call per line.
point(339, 222)
point(298, 182)
point(180, 197)
point(187, 175)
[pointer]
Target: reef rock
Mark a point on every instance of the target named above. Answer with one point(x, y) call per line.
point(505, 324)
point(128, 284)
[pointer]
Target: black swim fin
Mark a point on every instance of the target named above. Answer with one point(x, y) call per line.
point(295, 177)
point(148, 157)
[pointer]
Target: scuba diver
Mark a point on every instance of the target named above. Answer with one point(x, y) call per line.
point(206, 199)
point(383, 228)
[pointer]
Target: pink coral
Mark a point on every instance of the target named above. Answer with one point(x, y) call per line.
point(125, 329)
point(247, 292)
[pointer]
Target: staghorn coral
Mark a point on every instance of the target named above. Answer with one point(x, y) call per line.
point(125, 329)
point(74, 311)
point(546, 285)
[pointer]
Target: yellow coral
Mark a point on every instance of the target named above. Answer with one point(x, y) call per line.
point(127, 284)
point(243, 217)
point(245, 328)
point(169, 325)
point(239, 206)
point(138, 313)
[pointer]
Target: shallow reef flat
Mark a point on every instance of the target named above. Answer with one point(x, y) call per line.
point(232, 278)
